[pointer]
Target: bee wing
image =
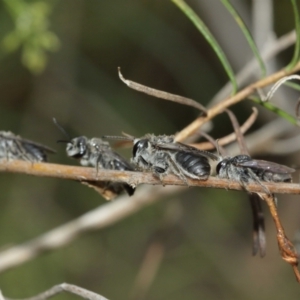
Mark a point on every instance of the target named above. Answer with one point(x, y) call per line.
point(266, 165)
point(170, 146)
point(121, 164)
point(39, 146)
point(25, 141)
point(183, 147)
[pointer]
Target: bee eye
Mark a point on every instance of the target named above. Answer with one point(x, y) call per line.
point(221, 164)
point(139, 146)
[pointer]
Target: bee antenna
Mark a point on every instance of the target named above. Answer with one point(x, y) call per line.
point(123, 138)
point(63, 131)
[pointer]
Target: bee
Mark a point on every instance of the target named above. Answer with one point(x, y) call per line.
point(14, 147)
point(244, 169)
point(97, 153)
point(162, 155)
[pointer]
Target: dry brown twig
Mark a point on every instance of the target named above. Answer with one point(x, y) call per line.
point(161, 94)
point(286, 247)
point(136, 178)
point(231, 137)
point(251, 68)
point(101, 217)
point(258, 233)
point(243, 94)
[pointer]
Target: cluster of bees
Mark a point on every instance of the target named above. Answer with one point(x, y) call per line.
point(160, 155)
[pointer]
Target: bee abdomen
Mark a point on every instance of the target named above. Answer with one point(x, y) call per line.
point(194, 166)
point(273, 177)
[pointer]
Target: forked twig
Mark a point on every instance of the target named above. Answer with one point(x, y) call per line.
point(287, 250)
point(219, 107)
point(286, 247)
point(161, 94)
point(277, 85)
point(231, 137)
point(259, 237)
point(238, 133)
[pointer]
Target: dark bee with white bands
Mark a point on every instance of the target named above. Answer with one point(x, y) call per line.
point(161, 155)
point(244, 169)
point(14, 147)
point(97, 153)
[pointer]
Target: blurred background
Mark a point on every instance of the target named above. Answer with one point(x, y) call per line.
point(59, 59)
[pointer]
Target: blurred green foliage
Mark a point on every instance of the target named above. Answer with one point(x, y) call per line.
point(31, 32)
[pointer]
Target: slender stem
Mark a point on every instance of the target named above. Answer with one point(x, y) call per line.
point(243, 94)
point(247, 35)
point(187, 10)
point(90, 175)
point(295, 58)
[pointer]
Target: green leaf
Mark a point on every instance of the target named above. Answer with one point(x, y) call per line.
point(296, 55)
point(31, 32)
point(187, 10)
point(293, 85)
point(247, 34)
point(276, 110)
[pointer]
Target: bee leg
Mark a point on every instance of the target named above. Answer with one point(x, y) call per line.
point(256, 180)
point(259, 238)
point(159, 172)
point(97, 170)
point(177, 171)
point(129, 188)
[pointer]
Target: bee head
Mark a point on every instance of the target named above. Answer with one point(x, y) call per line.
point(77, 147)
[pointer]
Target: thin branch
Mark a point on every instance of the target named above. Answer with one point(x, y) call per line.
point(65, 287)
point(287, 250)
point(270, 51)
point(161, 94)
point(219, 107)
point(277, 85)
point(258, 236)
point(231, 137)
point(238, 133)
point(134, 178)
point(101, 217)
